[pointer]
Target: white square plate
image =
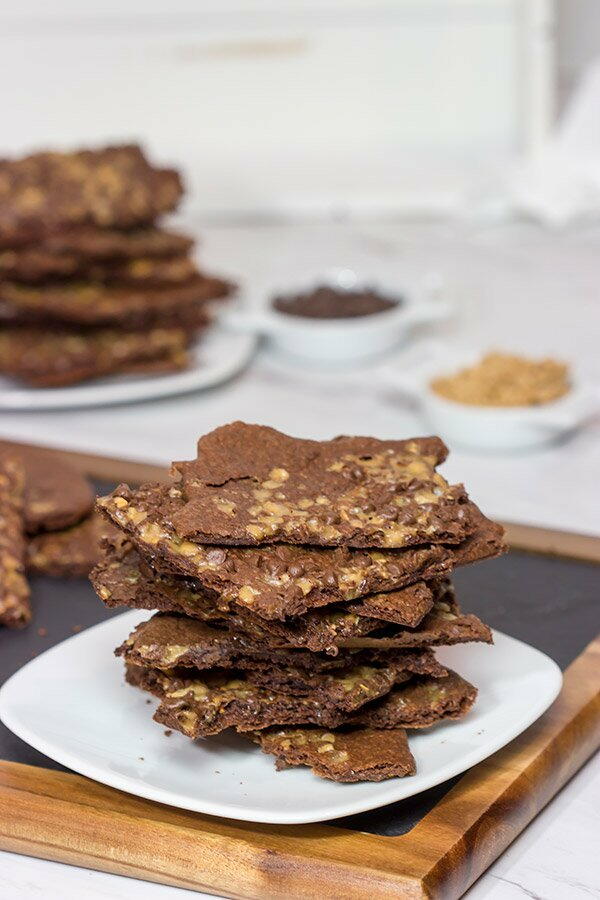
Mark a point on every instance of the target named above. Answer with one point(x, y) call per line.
point(72, 704)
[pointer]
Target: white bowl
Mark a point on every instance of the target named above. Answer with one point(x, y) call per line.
point(338, 341)
point(506, 428)
point(492, 428)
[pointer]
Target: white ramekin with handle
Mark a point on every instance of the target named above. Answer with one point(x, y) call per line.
point(488, 428)
point(335, 342)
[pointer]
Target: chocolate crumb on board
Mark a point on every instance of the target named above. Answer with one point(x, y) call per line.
point(15, 609)
point(252, 485)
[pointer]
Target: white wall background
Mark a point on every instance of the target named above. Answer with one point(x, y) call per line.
point(302, 106)
point(279, 106)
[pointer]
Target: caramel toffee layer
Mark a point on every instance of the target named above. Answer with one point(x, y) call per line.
point(420, 703)
point(252, 485)
point(362, 754)
point(15, 611)
point(279, 581)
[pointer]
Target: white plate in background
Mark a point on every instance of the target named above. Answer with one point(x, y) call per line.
point(72, 704)
point(218, 355)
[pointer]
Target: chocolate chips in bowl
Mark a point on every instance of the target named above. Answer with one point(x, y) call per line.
point(328, 302)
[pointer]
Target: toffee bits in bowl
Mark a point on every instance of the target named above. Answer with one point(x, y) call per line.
point(502, 379)
point(505, 402)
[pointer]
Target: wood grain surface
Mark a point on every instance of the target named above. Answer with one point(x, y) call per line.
point(65, 817)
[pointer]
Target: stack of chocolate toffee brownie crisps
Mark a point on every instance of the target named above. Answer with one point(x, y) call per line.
point(301, 586)
point(90, 284)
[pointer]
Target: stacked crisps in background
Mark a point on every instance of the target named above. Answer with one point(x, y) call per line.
point(90, 284)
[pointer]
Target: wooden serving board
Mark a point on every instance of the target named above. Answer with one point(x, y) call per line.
point(433, 845)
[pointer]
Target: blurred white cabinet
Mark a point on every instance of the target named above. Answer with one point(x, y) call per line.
point(293, 108)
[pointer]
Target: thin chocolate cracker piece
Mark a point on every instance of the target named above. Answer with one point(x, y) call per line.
point(443, 626)
point(32, 264)
point(86, 303)
point(76, 251)
point(362, 754)
point(252, 485)
point(92, 244)
point(420, 703)
point(142, 271)
point(15, 611)
point(122, 578)
point(56, 357)
point(406, 607)
point(70, 553)
point(106, 187)
point(347, 685)
point(56, 494)
point(275, 581)
point(35, 265)
point(166, 641)
point(282, 580)
point(215, 701)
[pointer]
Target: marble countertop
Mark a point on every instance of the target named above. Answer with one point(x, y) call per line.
point(514, 287)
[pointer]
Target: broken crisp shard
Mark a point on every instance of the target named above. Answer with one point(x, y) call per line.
point(252, 485)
